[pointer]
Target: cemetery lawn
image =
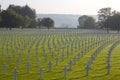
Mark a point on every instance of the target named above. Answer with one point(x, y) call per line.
point(38, 47)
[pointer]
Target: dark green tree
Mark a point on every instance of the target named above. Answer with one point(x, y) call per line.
point(103, 15)
point(90, 23)
point(39, 22)
point(16, 16)
point(26, 21)
point(24, 11)
point(114, 22)
point(0, 9)
point(86, 22)
point(28, 13)
point(0, 19)
point(81, 21)
point(33, 24)
point(0, 14)
point(47, 22)
point(10, 19)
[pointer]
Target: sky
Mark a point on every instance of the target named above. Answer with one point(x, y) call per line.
point(82, 7)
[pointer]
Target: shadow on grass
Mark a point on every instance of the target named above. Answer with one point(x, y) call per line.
point(1, 75)
point(78, 77)
point(61, 78)
point(79, 70)
point(102, 63)
point(5, 76)
point(99, 75)
point(100, 69)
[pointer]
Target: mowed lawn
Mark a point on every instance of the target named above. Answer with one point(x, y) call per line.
point(39, 54)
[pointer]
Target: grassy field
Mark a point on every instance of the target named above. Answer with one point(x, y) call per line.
point(38, 48)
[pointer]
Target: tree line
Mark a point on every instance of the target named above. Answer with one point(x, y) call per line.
point(22, 17)
point(107, 19)
point(25, 17)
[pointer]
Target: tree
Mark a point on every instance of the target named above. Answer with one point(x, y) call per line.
point(0, 9)
point(10, 19)
point(26, 21)
point(47, 22)
point(103, 15)
point(33, 24)
point(39, 22)
point(16, 16)
point(89, 23)
point(0, 14)
point(24, 11)
point(29, 15)
point(114, 22)
point(86, 22)
point(81, 21)
point(0, 19)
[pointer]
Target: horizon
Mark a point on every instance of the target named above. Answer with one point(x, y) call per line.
point(75, 7)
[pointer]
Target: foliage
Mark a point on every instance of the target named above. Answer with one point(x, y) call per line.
point(0, 19)
point(0, 9)
point(0, 14)
point(81, 21)
point(89, 23)
point(103, 15)
point(10, 19)
point(109, 19)
point(113, 22)
point(33, 23)
point(46, 22)
point(86, 22)
point(24, 11)
point(39, 22)
point(26, 21)
point(16, 16)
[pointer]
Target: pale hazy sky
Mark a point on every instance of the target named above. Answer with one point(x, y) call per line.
point(65, 6)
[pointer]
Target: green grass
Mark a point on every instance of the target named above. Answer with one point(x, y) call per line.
point(59, 41)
